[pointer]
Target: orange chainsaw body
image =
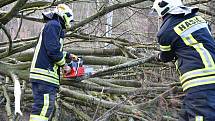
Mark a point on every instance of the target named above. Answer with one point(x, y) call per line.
point(75, 72)
point(76, 69)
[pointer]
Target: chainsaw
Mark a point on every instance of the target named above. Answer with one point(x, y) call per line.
point(76, 71)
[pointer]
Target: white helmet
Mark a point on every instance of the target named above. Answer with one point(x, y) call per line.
point(65, 13)
point(163, 7)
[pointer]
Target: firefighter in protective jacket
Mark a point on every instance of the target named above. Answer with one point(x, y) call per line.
point(48, 57)
point(186, 37)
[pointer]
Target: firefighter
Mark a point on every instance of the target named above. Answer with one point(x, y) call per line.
point(48, 57)
point(185, 37)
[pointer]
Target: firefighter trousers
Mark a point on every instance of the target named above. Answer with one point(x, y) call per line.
point(44, 100)
point(198, 106)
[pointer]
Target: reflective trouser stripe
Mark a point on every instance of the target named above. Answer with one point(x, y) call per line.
point(204, 54)
point(45, 105)
point(199, 118)
point(44, 78)
point(38, 118)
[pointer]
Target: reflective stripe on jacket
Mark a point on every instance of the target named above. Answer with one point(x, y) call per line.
point(48, 55)
point(188, 39)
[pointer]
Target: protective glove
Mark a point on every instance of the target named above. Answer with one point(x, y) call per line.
point(73, 57)
point(66, 69)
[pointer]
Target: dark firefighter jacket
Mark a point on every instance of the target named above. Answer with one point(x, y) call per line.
point(188, 40)
point(48, 55)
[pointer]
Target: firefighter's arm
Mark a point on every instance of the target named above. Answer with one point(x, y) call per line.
point(167, 53)
point(166, 56)
point(51, 37)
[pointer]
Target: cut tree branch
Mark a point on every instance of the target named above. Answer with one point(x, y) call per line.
point(7, 106)
point(128, 64)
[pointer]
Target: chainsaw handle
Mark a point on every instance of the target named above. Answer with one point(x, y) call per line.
point(78, 59)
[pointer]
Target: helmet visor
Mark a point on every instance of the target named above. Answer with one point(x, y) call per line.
point(68, 18)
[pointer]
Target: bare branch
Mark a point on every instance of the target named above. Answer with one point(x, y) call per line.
point(81, 114)
point(21, 40)
point(39, 5)
point(6, 2)
point(106, 10)
point(88, 37)
point(7, 106)
point(14, 11)
point(198, 2)
point(8, 35)
point(20, 26)
point(207, 12)
point(156, 99)
point(124, 65)
point(19, 49)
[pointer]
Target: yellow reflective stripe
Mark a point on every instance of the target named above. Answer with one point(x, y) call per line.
point(44, 78)
point(55, 68)
point(64, 54)
point(198, 82)
point(38, 118)
point(61, 43)
point(61, 62)
point(197, 73)
point(199, 118)
point(204, 54)
point(187, 24)
point(165, 48)
point(36, 52)
point(188, 41)
point(45, 72)
point(45, 105)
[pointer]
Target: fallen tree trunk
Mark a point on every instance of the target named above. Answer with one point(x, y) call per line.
point(114, 90)
point(88, 60)
point(6, 68)
point(93, 100)
point(128, 64)
point(95, 52)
